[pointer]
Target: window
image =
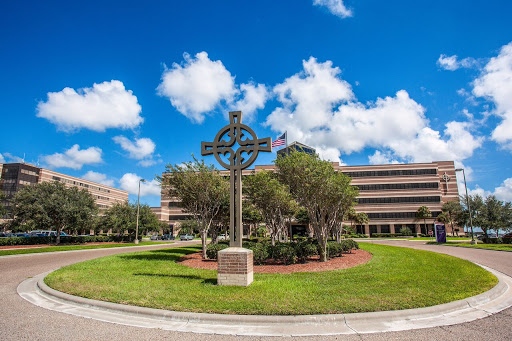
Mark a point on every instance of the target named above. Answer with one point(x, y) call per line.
point(383, 187)
point(397, 215)
point(397, 200)
point(397, 172)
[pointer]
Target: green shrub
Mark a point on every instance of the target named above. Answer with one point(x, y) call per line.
point(213, 249)
point(406, 231)
point(334, 249)
point(64, 240)
point(260, 253)
point(305, 249)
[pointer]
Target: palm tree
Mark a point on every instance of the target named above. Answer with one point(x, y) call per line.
point(423, 213)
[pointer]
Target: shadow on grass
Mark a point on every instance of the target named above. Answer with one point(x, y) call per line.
point(163, 255)
point(206, 281)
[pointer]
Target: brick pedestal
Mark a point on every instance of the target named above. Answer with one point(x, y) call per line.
point(235, 267)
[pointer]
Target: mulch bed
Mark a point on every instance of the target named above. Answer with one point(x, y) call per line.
point(348, 260)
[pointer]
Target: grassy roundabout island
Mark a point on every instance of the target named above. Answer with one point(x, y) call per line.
point(396, 278)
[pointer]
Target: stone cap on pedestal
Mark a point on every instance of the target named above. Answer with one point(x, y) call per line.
point(236, 250)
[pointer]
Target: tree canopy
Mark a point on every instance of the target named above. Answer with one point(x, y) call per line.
point(324, 193)
point(53, 206)
point(122, 217)
point(201, 190)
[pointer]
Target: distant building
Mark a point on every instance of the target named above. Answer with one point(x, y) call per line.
point(15, 176)
point(389, 194)
point(298, 147)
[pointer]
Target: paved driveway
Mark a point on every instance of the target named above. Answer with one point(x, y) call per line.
point(20, 320)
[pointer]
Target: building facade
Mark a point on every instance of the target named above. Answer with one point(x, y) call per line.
point(14, 176)
point(389, 194)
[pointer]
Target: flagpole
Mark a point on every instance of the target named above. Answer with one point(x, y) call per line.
point(286, 138)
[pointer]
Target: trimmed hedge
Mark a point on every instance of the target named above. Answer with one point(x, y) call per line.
point(63, 240)
point(389, 235)
point(494, 240)
point(287, 253)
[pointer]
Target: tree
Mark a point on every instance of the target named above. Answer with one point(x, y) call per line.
point(495, 214)
point(52, 205)
point(362, 218)
point(324, 193)
point(423, 213)
point(272, 199)
point(251, 215)
point(201, 190)
point(122, 217)
point(451, 209)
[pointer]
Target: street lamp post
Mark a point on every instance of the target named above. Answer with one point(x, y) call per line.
point(469, 206)
point(137, 222)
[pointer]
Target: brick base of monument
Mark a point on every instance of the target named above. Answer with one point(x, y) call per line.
point(235, 266)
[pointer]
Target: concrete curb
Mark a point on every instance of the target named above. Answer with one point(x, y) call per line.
point(498, 298)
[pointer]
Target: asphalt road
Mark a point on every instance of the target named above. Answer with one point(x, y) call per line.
point(20, 320)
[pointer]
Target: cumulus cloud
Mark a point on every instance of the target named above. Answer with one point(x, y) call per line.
point(139, 149)
point(74, 158)
point(504, 192)
point(254, 97)
point(319, 109)
point(380, 158)
point(130, 182)
point(451, 63)
point(198, 86)
point(2, 159)
point(336, 7)
point(99, 178)
point(495, 84)
point(8, 157)
point(105, 105)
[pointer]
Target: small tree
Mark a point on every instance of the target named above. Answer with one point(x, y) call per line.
point(423, 213)
point(451, 209)
point(324, 193)
point(272, 200)
point(201, 190)
point(361, 218)
point(250, 215)
point(52, 205)
point(406, 231)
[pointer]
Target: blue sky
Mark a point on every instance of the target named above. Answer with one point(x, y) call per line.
point(113, 90)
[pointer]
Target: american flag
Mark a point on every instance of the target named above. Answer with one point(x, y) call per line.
point(281, 141)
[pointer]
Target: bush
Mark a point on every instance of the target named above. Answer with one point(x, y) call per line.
point(283, 252)
point(260, 253)
point(212, 250)
point(334, 249)
point(64, 240)
point(305, 249)
point(406, 231)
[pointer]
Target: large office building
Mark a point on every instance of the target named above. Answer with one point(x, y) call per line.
point(14, 176)
point(389, 194)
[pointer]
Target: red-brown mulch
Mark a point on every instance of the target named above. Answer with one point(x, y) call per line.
point(348, 260)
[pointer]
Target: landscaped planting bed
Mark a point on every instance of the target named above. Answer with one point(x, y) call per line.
point(395, 278)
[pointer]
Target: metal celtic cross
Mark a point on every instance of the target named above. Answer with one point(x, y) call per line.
point(235, 161)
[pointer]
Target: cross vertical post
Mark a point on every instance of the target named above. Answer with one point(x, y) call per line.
point(235, 262)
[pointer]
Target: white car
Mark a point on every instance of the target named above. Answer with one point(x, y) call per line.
point(223, 237)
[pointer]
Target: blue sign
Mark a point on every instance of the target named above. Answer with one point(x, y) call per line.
point(440, 230)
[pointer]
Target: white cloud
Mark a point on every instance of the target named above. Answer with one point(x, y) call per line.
point(2, 159)
point(379, 158)
point(504, 192)
point(198, 86)
point(495, 84)
point(99, 178)
point(336, 7)
point(130, 182)
point(105, 105)
point(139, 149)
point(319, 109)
point(74, 158)
point(452, 63)
point(8, 157)
point(254, 98)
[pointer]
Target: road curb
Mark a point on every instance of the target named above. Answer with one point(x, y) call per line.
point(498, 298)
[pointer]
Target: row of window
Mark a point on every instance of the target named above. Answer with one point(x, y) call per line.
point(381, 187)
point(397, 172)
point(81, 184)
point(397, 215)
point(174, 204)
point(102, 206)
point(100, 197)
point(29, 172)
point(179, 217)
point(396, 200)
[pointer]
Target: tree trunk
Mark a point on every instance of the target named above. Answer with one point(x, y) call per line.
point(323, 250)
point(203, 243)
point(57, 240)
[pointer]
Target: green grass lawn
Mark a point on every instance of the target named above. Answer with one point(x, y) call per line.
point(395, 278)
point(447, 238)
point(500, 247)
point(70, 248)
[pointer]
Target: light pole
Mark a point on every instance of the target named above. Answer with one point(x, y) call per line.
point(137, 222)
point(469, 206)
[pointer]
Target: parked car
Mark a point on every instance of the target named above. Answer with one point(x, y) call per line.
point(168, 237)
point(223, 237)
point(186, 237)
point(155, 237)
